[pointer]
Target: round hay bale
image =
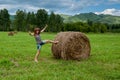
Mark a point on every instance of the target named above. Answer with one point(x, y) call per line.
point(71, 45)
point(10, 33)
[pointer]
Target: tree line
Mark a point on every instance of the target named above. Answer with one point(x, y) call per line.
point(26, 21)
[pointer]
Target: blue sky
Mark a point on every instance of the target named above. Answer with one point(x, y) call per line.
point(70, 7)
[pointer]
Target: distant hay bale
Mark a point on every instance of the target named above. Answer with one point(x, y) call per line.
point(72, 45)
point(10, 33)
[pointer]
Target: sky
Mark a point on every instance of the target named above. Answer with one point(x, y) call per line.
point(69, 7)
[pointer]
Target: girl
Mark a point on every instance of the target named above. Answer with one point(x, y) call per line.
point(39, 42)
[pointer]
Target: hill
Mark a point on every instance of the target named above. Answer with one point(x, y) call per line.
point(83, 17)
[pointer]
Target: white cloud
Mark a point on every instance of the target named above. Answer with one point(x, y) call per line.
point(58, 6)
point(114, 0)
point(63, 6)
point(27, 8)
point(8, 6)
point(112, 11)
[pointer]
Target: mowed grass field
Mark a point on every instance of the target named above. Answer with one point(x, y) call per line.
point(17, 59)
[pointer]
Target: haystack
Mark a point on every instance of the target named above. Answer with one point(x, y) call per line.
point(10, 33)
point(72, 45)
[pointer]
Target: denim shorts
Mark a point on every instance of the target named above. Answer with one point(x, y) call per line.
point(39, 45)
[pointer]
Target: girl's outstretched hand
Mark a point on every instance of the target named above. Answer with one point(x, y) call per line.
point(30, 33)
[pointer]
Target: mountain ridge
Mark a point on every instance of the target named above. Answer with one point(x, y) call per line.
point(84, 17)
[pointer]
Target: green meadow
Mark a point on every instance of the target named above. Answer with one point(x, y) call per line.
point(17, 59)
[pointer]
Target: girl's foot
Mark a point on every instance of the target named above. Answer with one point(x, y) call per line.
point(56, 42)
point(36, 60)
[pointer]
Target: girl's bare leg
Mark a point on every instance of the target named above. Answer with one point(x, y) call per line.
point(38, 51)
point(36, 56)
point(50, 41)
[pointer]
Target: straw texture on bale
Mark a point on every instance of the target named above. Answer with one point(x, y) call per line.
point(71, 45)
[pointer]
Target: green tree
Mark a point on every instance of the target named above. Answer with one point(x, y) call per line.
point(58, 23)
point(51, 23)
point(41, 18)
point(4, 20)
point(103, 28)
point(30, 20)
point(55, 23)
point(20, 20)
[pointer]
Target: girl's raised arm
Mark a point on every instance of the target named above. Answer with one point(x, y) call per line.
point(44, 28)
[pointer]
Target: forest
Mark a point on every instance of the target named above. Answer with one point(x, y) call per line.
point(27, 21)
